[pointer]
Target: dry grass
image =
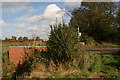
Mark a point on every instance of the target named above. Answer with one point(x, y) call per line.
point(41, 71)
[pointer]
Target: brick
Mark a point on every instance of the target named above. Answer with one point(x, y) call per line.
point(16, 54)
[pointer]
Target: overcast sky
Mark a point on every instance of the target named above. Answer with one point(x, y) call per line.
point(28, 18)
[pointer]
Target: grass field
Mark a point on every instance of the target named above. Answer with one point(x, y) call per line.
point(5, 45)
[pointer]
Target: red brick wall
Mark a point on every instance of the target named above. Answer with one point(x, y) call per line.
point(16, 54)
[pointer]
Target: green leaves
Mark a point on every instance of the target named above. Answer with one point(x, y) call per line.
point(63, 44)
point(96, 20)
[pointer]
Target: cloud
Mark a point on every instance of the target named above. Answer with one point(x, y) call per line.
point(16, 1)
point(33, 28)
point(41, 23)
point(41, 31)
point(50, 14)
point(19, 25)
point(21, 32)
point(3, 23)
point(72, 4)
point(16, 7)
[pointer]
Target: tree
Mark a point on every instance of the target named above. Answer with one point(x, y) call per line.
point(14, 37)
point(25, 39)
point(6, 39)
point(37, 39)
point(20, 39)
point(96, 19)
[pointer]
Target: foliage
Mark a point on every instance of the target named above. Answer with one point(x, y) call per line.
point(83, 64)
point(96, 66)
point(14, 37)
point(110, 63)
point(93, 64)
point(20, 39)
point(78, 75)
point(69, 76)
point(63, 45)
point(55, 75)
point(82, 75)
point(6, 39)
point(117, 36)
point(85, 38)
point(25, 39)
point(7, 71)
point(113, 75)
point(37, 39)
point(90, 61)
point(96, 20)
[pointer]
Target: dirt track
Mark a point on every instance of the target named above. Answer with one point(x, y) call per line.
point(103, 49)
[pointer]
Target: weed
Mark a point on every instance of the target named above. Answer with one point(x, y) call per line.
point(69, 76)
point(56, 75)
point(96, 66)
point(8, 71)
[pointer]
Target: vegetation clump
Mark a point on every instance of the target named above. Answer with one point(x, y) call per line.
point(63, 44)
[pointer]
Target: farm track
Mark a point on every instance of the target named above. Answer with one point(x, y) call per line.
point(102, 49)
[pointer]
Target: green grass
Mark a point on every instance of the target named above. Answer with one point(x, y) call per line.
point(79, 75)
point(99, 45)
point(105, 63)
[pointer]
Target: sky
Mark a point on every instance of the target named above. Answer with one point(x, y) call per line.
point(24, 18)
point(32, 18)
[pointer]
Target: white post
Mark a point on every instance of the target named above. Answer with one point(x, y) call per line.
point(78, 33)
point(62, 21)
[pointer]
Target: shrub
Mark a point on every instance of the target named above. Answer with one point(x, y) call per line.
point(7, 67)
point(96, 66)
point(87, 59)
point(83, 63)
point(87, 39)
point(109, 63)
point(63, 45)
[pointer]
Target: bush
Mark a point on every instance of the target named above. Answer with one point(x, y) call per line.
point(109, 63)
point(87, 39)
point(89, 61)
point(63, 45)
point(7, 67)
point(96, 66)
point(84, 63)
